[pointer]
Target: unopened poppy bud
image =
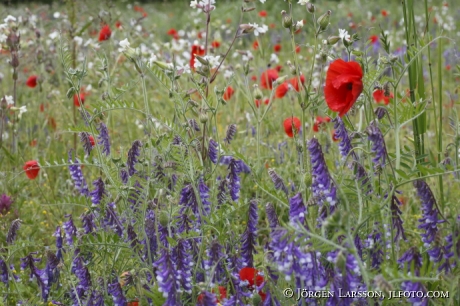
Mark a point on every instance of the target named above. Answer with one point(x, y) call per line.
point(257, 92)
point(386, 89)
point(162, 65)
point(164, 219)
point(332, 40)
point(356, 52)
point(202, 60)
point(280, 80)
point(323, 21)
point(204, 117)
point(310, 7)
point(246, 68)
point(287, 19)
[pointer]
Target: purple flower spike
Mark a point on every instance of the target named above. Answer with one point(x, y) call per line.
point(231, 131)
point(429, 221)
point(234, 179)
point(206, 299)
point(277, 181)
point(114, 289)
point(396, 218)
point(111, 219)
point(249, 237)
point(215, 262)
point(86, 141)
point(378, 144)
point(70, 230)
point(297, 210)
point(5, 203)
point(167, 278)
point(59, 248)
point(99, 192)
point(341, 133)
point(103, 138)
point(183, 264)
point(271, 216)
point(77, 175)
point(413, 259)
point(213, 151)
point(204, 196)
point(133, 154)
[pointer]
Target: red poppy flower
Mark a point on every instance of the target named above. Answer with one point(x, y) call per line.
point(105, 33)
point(277, 48)
point(319, 122)
point(263, 13)
point(32, 81)
point(374, 39)
point(279, 68)
point(267, 78)
point(219, 298)
point(140, 10)
point(31, 168)
point(42, 107)
point(228, 93)
point(379, 96)
point(196, 50)
point(291, 126)
point(384, 13)
point(215, 44)
point(172, 32)
point(133, 303)
point(255, 45)
point(254, 78)
point(253, 277)
point(295, 82)
point(258, 102)
point(52, 123)
point(343, 85)
point(75, 99)
point(118, 24)
point(297, 49)
point(282, 90)
point(33, 143)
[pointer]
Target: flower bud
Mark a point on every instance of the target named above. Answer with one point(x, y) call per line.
point(202, 60)
point(323, 21)
point(393, 58)
point(280, 80)
point(164, 219)
point(310, 7)
point(332, 40)
point(203, 117)
point(257, 92)
point(246, 28)
point(356, 52)
point(162, 65)
point(247, 9)
point(287, 20)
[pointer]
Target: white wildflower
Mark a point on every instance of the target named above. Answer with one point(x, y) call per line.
point(303, 2)
point(259, 29)
point(9, 18)
point(343, 34)
point(124, 45)
point(9, 100)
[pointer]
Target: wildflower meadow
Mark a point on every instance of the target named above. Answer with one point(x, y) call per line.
point(229, 152)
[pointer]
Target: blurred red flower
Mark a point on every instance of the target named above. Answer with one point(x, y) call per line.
point(319, 122)
point(384, 13)
point(31, 168)
point(229, 91)
point(32, 81)
point(334, 136)
point(379, 96)
point(267, 78)
point(91, 140)
point(118, 24)
point(196, 50)
point(277, 48)
point(215, 44)
point(263, 13)
point(253, 278)
point(75, 99)
point(374, 39)
point(255, 45)
point(258, 102)
point(219, 298)
point(343, 85)
point(295, 82)
point(282, 90)
point(105, 33)
point(292, 125)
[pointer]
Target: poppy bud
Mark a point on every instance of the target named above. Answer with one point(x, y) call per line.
point(310, 7)
point(280, 80)
point(356, 52)
point(164, 219)
point(162, 65)
point(332, 40)
point(202, 60)
point(246, 28)
point(323, 21)
point(287, 20)
point(203, 117)
point(257, 92)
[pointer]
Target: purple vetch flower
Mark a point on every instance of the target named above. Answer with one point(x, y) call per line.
point(213, 151)
point(103, 138)
point(269, 300)
point(5, 204)
point(204, 196)
point(222, 192)
point(188, 200)
point(396, 218)
point(131, 236)
point(133, 154)
point(234, 179)
point(249, 237)
point(82, 289)
point(215, 263)
point(89, 222)
point(231, 132)
point(442, 253)
point(95, 299)
point(86, 141)
point(183, 263)
point(324, 189)
point(70, 230)
point(124, 176)
point(429, 221)
point(297, 211)
point(59, 240)
point(99, 191)
point(206, 299)
point(378, 144)
point(114, 289)
point(13, 231)
point(411, 261)
point(136, 196)
point(150, 241)
point(277, 181)
point(359, 245)
point(177, 140)
point(85, 116)
point(40, 275)
point(112, 220)
point(77, 175)
point(346, 278)
point(341, 133)
point(167, 278)
point(193, 124)
point(3, 272)
point(375, 245)
point(271, 216)
point(380, 112)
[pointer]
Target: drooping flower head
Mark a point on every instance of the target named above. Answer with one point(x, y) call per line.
point(292, 125)
point(31, 168)
point(343, 85)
